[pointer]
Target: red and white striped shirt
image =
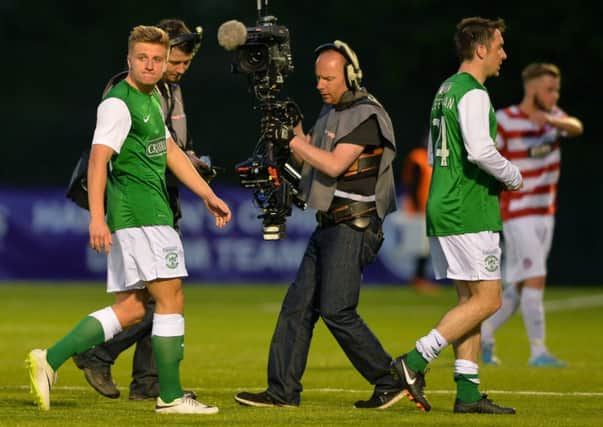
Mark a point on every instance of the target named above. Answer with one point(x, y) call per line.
point(536, 152)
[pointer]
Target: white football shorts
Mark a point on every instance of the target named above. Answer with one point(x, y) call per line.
point(143, 254)
point(468, 257)
point(526, 246)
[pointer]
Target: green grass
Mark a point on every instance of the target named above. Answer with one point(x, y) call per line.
point(228, 332)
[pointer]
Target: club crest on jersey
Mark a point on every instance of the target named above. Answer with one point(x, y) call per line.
point(156, 147)
point(491, 263)
point(171, 260)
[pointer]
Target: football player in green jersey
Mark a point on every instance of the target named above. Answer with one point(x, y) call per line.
point(463, 217)
point(96, 363)
point(145, 255)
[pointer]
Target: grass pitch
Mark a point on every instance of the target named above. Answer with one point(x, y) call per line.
point(228, 333)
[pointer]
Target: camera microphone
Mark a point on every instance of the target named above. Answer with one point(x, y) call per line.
point(232, 34)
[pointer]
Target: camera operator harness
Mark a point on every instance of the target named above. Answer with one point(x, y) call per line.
point(332, 197)
point(347, 206)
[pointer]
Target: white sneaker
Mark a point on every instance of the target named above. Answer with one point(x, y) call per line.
point(41, 377)
point(184, 405)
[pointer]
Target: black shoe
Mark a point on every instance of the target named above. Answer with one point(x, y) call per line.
point(381, 399)
point(145, 389)
point(99, 377)
point(151, 395)
point(413, 382)
point(262, 399)
point(482, 406)
point(140, 395)
point(144, 393)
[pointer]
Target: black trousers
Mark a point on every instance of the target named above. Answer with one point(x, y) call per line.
point(327, 286)
point(144, 370)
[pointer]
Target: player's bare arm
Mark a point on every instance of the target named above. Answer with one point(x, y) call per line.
point(100, 235)
point(568, 124)
point(179, 163)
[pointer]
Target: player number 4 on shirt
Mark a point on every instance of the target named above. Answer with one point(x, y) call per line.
point(441, 143)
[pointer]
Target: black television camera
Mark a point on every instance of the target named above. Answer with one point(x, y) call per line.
point(263, 53)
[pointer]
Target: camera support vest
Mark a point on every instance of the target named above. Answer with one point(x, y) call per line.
point(317, 188)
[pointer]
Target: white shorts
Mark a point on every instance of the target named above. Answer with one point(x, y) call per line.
point(526, 246)
point(143, 254)
point(468, 257)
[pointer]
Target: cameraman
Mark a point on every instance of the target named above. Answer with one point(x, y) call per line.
point(347, 176)
point(96, 363)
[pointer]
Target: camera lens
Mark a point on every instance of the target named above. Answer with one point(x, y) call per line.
point(253, 58)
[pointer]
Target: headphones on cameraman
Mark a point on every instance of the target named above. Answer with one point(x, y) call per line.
point(351, 70)
point(192, 37)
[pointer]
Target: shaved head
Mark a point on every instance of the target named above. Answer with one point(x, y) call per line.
point(330, 76)
point(332, 56)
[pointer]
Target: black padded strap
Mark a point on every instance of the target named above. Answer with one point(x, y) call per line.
point(365, 164)
point(351, 209)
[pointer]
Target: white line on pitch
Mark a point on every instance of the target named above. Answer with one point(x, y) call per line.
point(573, 303)
point(343, 390)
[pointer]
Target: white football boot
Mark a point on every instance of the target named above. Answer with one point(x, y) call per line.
point(184, 405)
point(41, 377)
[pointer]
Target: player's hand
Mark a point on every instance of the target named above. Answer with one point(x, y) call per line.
point(517, 188)
point(219, 209)
point(100, 236)
point(540, 118)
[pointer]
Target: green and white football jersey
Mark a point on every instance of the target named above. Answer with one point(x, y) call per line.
point(463, 198)
point(136, 188)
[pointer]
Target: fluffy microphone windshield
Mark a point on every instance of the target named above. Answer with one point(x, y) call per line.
point(232, 34)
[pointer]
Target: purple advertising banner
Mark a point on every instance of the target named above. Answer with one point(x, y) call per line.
point(44, 236)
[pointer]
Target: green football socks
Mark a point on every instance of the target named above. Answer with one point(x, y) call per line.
point(467, 387)
point(415, 361)
point(85, 335)
point(169, 351)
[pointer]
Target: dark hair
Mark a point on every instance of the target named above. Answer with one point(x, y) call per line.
point(473, 31)
point(175, 28)
point(539, 69)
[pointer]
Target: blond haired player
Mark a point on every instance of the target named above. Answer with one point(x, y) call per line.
point(144, 252)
